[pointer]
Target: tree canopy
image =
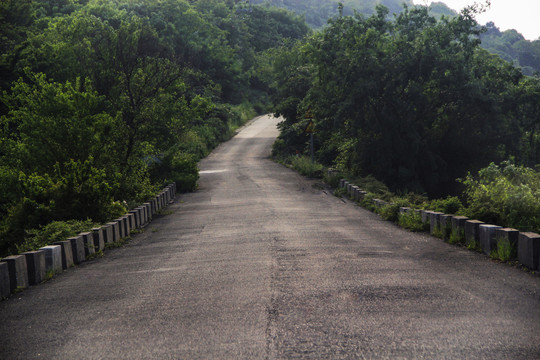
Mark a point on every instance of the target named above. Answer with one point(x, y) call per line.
point(103, 101)
point(413, 101)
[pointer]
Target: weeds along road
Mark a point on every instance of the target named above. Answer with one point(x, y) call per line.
point(261, 264)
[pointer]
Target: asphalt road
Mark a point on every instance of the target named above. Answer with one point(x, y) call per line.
point(261, 263)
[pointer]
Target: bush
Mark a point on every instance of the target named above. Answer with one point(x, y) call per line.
point(53, 232)
point(10, 188)
point(184, 171)
point(367, 202)
point(506, 195)
point(505, 250)
point(304, 166)
point(450, 205)
point(412, 220)
point(332, 179)
point(390, 212)
point(457, 237)
point(81, 191)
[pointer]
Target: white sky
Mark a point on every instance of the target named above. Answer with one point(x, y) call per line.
point(522, 15)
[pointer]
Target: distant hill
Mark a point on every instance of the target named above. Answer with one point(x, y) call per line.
point(317, 12)
point(510, 45)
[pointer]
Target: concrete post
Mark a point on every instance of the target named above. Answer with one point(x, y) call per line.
point(148, 209)
point(99, 238)
point(158, 203)
point(108, 237)
point(88, 240)
point(472, 233)
point(77, 247)
point(35, 265)
point(121, 229)
point(434, 226)
point(53, 258)
point(488, 243)
point(67, 253)
point(18, 271)
point(5, 285)
point(529, 250)
point(136, 219)
point(115, 230)
point(425, 214)
point(445, 225)
point(458, 227)
point(508, 238)
point(127, 229)
point(153, 204)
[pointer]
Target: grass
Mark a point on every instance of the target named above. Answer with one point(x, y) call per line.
point(305, 167)
point(95, 255)
point(438, 232)
point(411, 220)
point(472, 244)
point(117, 244)
point(456, 237)
point(340, 192)
point(505, 250)
point(49, 275)
point(390, 212)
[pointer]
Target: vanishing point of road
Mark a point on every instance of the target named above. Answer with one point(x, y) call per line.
point(260, 263)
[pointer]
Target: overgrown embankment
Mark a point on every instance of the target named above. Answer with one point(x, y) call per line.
point(104, 102)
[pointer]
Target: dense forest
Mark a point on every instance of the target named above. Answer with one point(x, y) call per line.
point(416, 103)
point(104, 101)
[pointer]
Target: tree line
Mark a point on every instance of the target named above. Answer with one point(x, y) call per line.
point(104, 101)
point(413, 101)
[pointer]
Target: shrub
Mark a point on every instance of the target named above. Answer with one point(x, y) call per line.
point(390, 212)
point(411, 220)
point(450, 205)
point(332, 179)
point(176, 166)
point(367, 202)
point(81, 191)
point(506, 195)
point(505, 251)
point(184, 172)
point(52, 232)
point(304, 166)
point(456, 236)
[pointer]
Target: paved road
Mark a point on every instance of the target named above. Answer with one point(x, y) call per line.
point(261, 264)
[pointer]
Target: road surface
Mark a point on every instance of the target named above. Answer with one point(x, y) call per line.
point(261, 263)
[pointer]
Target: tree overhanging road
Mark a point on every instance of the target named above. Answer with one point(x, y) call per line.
point(261, 264)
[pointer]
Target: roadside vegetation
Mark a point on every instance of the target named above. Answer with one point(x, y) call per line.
point(104, 102)
point(408, 106)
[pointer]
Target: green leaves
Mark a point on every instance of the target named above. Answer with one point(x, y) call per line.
point(51, 122)
point(506, 195)
point(421, 101)
point(104, 101)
